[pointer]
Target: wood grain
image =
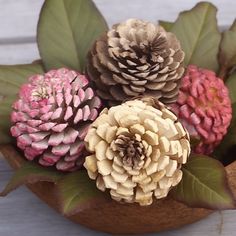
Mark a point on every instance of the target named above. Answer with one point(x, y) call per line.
point(163, 215)
point(22, 211)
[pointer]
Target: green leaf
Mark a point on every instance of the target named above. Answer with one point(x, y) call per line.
point(77, 192)
point(227, 55)
point(231, 84)
point(166, 25)
point(66, 31)
point(204, 184)
point(11, 78)
point(30, 173)
point(229, 140)
point(228, 49)
point(199, 35)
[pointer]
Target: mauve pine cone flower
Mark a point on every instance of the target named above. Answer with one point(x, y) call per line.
point(204, 108)
point(137, 150)
point(136, 58)
point(52, 116)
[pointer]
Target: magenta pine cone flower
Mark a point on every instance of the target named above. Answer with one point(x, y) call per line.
point(204, 108)
point(52, 116)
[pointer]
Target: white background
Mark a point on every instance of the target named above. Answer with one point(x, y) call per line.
point(21, 213)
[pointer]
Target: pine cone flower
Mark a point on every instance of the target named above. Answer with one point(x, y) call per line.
point(204, 108)
point(136, 58)
point(137, 150)
point(52, 116)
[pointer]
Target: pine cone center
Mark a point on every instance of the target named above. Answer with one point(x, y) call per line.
point(40, 93)
point(130, 149)
point(209, 99)
point(151, 52)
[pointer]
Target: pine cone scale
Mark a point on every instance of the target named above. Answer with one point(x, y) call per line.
point(204, 107)
point(118, 94)
point(139, 158)
point(60, 106)
point(129, 53)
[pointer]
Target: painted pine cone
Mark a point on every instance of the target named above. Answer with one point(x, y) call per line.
point(136, 58)
point(137, 150)
point(204, 108)
point(52, 116)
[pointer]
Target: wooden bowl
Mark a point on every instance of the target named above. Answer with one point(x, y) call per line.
point(115, 218)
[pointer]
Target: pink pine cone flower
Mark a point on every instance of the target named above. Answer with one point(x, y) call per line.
point(51, 118)
point(204, 108)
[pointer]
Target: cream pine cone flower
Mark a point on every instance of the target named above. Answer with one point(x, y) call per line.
point(137, 151)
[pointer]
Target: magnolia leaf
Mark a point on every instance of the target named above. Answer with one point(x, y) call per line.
point(77, 192)
point(166, 25)
point(231, 84)
point(222, 152)
point(11, 78)
point(30, 173)
point(227, 55)
point(228, 49)
point(66, 31)
point(204, 184)
point(199, 35)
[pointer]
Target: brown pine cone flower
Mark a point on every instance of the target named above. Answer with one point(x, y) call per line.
point(136, 58)
point(52, 116)
point(137, 150)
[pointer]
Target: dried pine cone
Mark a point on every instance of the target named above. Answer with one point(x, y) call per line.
point(52, 116)
point(137, 151)
point(204, 108)
point(136, 58)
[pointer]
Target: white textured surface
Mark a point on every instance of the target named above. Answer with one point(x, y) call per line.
point(21, 213)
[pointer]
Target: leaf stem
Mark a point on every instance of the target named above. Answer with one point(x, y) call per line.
point(223, 73)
